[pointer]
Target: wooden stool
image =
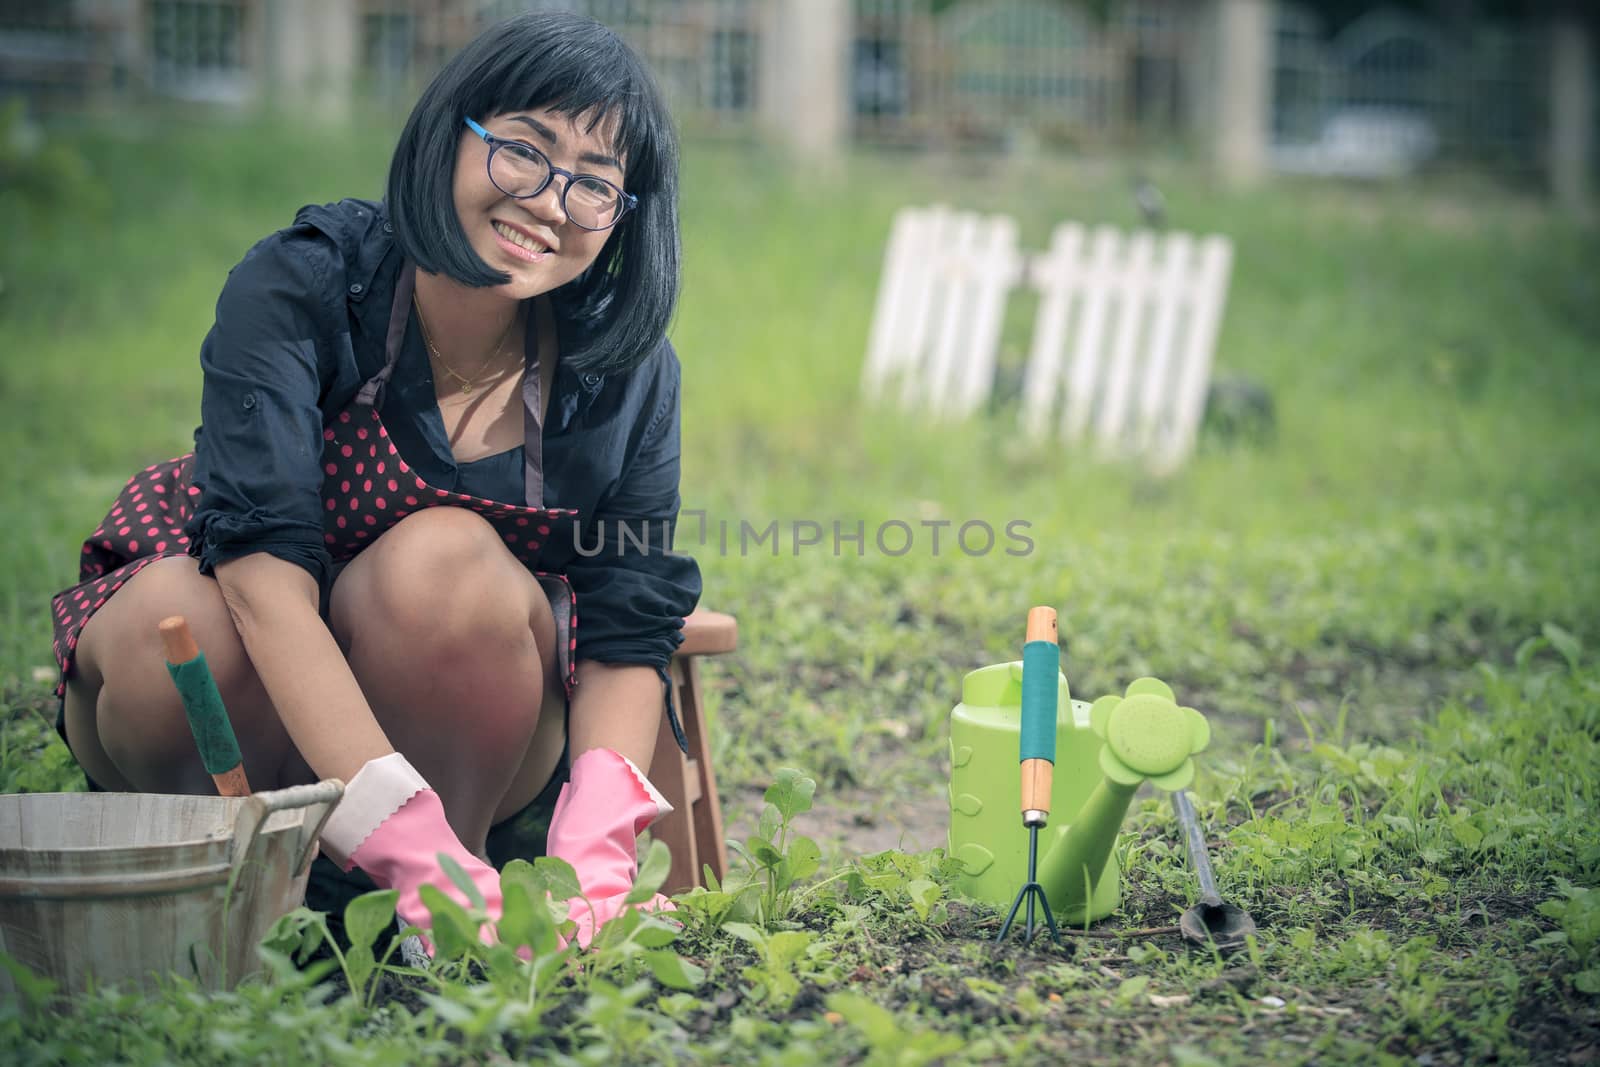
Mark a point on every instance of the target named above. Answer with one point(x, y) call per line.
point(694, 828)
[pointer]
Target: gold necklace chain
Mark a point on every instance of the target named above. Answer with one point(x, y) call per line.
point(466, 383)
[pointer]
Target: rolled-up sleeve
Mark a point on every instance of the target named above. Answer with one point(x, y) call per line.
point(633, 592)
point(258, 449)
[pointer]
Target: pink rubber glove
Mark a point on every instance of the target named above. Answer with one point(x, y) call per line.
point(595, 827)
point(391, 824)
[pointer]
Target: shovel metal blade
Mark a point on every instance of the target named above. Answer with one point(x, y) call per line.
point(1222, 925)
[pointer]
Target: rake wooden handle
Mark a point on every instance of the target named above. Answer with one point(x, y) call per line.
point(1039, 715)
point(1042, 625)
point(208, 719)
point(1038, 776)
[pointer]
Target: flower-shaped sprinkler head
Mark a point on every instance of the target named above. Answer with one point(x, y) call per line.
point(1147, 737)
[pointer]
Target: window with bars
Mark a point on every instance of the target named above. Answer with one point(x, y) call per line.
point(199, 48)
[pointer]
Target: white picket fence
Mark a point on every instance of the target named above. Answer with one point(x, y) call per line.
point(936, 329)
point(1122, 340)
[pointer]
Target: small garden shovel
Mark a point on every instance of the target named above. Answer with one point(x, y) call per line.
point(208, 719)
point(1212, 921)
point(1041, 667)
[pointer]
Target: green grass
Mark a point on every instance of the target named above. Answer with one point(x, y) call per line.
point(1397, 794)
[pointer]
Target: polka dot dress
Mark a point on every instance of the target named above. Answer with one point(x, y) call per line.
point(144, 524)
point(366, 489)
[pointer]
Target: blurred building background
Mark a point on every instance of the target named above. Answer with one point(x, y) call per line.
point(1334, 87)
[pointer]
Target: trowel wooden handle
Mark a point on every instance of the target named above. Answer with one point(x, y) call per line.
point(177, 641)
point(208, 719)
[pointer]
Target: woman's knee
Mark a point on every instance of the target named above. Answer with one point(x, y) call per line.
point(122, 643)
point(442, 582)
point(438, 616)
point(121, 692)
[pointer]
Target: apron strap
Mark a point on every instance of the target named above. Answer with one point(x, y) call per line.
point(371, 393)
point(532, 413)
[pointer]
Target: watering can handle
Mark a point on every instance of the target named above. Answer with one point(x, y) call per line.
point(1041, 667)
point(324, 794)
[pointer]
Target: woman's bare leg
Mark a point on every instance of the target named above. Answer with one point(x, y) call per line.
point(124, 720)
point(452, 641)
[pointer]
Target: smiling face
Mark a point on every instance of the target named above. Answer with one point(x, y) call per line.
point(531, 239)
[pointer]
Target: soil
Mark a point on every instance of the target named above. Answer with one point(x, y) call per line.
point(856, 821)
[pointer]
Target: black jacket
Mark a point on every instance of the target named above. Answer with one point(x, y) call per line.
point(300, 326)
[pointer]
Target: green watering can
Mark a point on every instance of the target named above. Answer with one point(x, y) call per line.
point(1104, 752)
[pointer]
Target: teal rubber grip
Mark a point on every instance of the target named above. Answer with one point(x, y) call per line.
point(1041, 668)
point(208, 719)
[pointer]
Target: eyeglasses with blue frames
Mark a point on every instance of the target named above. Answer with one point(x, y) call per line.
point(522, 172)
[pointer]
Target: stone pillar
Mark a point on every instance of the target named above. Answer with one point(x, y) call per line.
point(119, 48)
point(805, 75)
point(1197, 71)
point(1243, 70)
point(309, 50)
point(1572, 118)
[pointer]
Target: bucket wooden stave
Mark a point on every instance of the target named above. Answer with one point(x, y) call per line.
point(124, 887)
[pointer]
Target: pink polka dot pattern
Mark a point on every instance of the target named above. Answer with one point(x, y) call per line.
point(360, 447)
point(146, 524)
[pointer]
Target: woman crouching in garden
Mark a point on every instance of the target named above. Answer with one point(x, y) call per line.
point(420, 420)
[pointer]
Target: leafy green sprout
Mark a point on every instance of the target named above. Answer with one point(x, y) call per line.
point(1577, 909)
point(778, 857)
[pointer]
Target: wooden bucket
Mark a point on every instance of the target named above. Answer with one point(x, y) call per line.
point(125, 887)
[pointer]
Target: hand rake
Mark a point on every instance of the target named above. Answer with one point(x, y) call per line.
point(1041, 666)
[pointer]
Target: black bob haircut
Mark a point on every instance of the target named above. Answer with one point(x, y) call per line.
point(580, 69)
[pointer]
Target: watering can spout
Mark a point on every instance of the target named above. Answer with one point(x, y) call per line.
point(1146, 737)
point(1076, 859)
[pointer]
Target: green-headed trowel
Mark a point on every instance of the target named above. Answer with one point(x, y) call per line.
point(1041, 666)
